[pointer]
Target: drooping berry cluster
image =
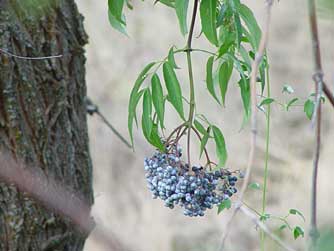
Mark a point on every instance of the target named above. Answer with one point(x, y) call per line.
point(169, 179)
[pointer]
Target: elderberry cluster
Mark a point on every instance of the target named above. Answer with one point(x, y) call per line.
point(169, 179)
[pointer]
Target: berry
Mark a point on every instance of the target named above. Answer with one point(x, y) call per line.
point(168, 178)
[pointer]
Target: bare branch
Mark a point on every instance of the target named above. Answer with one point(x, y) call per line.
point(255, 68)
point(54, 196)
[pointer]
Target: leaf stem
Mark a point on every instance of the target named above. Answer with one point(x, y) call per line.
point(265, 176)
point(191, 79)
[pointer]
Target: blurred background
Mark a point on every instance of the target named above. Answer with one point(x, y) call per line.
point(123, 204)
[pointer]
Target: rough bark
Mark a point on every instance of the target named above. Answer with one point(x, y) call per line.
point(43, 118)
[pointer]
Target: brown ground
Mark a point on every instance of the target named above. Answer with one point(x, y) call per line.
point(122, 202)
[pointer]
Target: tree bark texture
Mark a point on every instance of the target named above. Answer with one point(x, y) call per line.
point(43, 118)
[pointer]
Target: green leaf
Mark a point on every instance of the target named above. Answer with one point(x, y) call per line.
point(225, 72)
point(173, 88)
point(245, 56)
point(298, 231)
point(169, 3)
point(220, 146)
point(238, 28)
point(309, 108)
point(290, 103)
point(181, 7)
point(199, 127)
point(225, 204)
point(204, 141)
point(116, 24)
point(252, 25)
point(155, 139)
point(158, 98)
point(282, 227)
point(262, 74)
point(296, 212)
point(208, 20)
point(267, 101)
point(287, 89)
point(134, 98)
point(255, 185)
point(147, 122)
point(245, 96)
point(116, 9)
point(209, 78)
point(171, 58)
point(228, 39)
point(265, 217)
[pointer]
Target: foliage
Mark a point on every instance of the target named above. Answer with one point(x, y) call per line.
point(231, 29)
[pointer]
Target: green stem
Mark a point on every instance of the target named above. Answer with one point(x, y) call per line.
point(191, 79)
point(265, 178)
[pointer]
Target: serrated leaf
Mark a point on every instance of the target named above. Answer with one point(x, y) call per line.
point(225, 72)
point(204, 141)
point(262, 74)
point(282, 227)
point(208, 20)
point(220, 146)
point(169, 3)
point(155, 139)
point(287, 89)
point(265, 217)
point(245, 56)
point(228, 39)
point(147, 122)
point(290, 103)
point(181, 8)
point(267, 101)
point(199, 127)
point(226, 204)
point(116, 8)
point(173, 88)
point(296, 212)
point(134, 98)
point(252, 25)
point(209, 78)
point(245, 96)
point(309, 108)
point(158, 98)
point(238, 28)
point(120, 26)
point(298, 231)
point(171, 58)
point(255, 185)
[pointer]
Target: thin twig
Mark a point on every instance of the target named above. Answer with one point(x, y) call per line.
point(28, 58)
point(93, 108)
point(319, 83)
point(205, 150)
point(264, 228)
point(329, 94)
point(255, 67)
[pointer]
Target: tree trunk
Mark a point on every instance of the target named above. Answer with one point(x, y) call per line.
point(43, 118)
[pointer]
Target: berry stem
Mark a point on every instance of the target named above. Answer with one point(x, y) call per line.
point(191, 79)
point(205, 150)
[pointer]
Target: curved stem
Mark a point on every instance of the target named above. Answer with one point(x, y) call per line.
point(191, 79)
point(205, 150)
point(265, 176)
